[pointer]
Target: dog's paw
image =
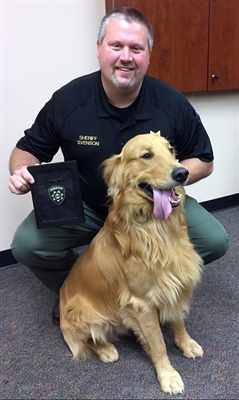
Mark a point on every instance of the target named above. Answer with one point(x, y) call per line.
point(108, 353)
point(192, 350)
point(172, 383)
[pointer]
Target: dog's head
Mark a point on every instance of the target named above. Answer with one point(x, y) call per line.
point(146, 170)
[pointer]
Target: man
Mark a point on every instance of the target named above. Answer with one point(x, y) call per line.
point(90, 119)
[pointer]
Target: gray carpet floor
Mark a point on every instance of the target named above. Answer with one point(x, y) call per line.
point(36, 364)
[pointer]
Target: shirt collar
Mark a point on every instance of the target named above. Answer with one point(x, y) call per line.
point(142, 107)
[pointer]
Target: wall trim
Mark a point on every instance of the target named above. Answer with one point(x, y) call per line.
point(7, 259)
point(219, 204)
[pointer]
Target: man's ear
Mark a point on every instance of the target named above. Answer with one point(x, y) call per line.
point(113, 174)
point(98, 48)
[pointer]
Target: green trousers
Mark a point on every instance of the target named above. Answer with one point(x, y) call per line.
point(49, 252)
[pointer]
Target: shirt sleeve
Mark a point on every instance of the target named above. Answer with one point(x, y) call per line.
point(191, 137)
point(41, 140)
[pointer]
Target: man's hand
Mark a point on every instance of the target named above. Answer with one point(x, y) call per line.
point(20, 179)
point(19, 182)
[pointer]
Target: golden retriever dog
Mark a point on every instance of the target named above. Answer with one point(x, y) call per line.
point(140, 269)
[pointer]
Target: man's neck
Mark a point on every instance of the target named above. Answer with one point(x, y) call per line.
point(121, 98)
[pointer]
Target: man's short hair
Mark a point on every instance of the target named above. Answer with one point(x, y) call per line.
point(127, 14)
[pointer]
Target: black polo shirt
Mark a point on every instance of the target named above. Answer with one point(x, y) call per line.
point(80, 120)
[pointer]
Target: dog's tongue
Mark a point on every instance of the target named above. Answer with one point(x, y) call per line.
point(162, 205)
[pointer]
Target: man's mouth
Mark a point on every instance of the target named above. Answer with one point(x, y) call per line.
point(125, 69)
point(164, 200)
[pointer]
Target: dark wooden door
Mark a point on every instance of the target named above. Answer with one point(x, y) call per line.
point(196, 42)
point(180, 50)
point(223, 45)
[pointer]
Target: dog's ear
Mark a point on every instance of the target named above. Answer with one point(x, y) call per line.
point(112, 173)
point(155, 133)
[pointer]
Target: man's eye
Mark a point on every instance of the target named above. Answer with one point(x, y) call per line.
point(136, 49)
point(115, 46)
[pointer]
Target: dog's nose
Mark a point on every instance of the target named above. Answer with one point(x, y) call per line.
point(180, 174)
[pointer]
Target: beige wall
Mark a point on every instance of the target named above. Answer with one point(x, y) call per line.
point(45, 45)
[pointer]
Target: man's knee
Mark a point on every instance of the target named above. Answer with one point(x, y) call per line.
point(49, 263)
point(22, 247)
point(207, 234)
point(216, 244)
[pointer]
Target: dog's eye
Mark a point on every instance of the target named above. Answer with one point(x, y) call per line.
point(171, 150)
point(147, 155)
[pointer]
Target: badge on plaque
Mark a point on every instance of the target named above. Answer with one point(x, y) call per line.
point(56, 194)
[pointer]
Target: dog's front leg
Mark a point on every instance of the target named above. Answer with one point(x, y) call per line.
point(144, 322)
point(183, 341)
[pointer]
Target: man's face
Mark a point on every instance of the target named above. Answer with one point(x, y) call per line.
point(124, 54)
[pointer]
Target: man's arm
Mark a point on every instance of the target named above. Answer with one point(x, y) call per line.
point(197, 169)
point(20, 179)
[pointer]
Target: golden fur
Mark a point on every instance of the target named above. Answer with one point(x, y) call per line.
point(139, 271)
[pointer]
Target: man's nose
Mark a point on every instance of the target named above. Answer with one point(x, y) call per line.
point(126, 54)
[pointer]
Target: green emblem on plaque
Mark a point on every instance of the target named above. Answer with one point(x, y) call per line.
point(57, 194)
